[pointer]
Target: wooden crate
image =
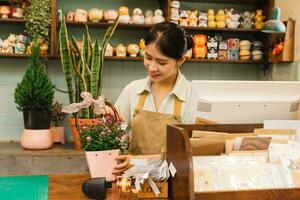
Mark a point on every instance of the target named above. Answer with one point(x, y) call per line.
point(179, 152)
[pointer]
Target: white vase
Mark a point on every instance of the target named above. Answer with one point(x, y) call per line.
point(102, 163)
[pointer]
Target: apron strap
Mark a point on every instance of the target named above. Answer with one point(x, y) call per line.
point(177, 106)
point(141, 102)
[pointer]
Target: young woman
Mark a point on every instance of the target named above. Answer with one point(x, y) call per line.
point(148, 105)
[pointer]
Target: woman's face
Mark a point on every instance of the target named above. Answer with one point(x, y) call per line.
point(160, 67)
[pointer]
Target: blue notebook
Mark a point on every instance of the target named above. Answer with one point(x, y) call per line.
point(24, 187)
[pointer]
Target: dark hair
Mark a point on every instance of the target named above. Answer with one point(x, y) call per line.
point(171, 40)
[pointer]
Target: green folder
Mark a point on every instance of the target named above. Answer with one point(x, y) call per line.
point(24, 187)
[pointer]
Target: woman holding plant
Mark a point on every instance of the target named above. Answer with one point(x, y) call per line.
point(148, 105)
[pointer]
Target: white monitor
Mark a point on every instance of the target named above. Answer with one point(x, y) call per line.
point(244, 101)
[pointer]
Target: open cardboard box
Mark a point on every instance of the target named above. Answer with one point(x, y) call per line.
point(180, 153)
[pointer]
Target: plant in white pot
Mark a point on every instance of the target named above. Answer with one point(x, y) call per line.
point(57, 119)
point(101, 138)
point(34, 96)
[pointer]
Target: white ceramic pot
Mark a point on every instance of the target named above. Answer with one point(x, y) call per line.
point(101, 163)
point(36, 139)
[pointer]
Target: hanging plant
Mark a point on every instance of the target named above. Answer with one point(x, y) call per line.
point(38, 19)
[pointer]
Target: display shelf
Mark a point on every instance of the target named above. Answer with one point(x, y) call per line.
point(115, 58)
point(12, 21)
point(248, 2)
point(206, 29)
point(106, 25)
point(15, 55)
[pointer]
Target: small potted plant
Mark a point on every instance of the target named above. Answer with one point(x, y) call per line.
point(57, 119)
point(102, 138)
point(34, 96)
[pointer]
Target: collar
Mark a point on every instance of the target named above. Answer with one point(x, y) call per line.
point(179, 89)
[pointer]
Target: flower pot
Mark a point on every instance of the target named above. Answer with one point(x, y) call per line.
point(36, 120)
point(75, 133)
point(36, 139)
point(101, 163)
point(58, 134)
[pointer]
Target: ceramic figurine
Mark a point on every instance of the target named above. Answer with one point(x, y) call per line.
point(137, 16)
point(222, 54)
point(202, 19)
point(5, 11)
point(17, 12)
point(19, 48)
point(193, 20)
point(95, 15)
point(232, 20)
point(245, 45)
point(183, 20)
point(11, 40)
point(20, 44)
point(133, 50)
point(158, 16)
point(245, 55)
point(6, 48)
point(174, 14)
point(148, 16)
point(220, 18)
point(211, 19)
point(212, 53)
point(175, 4)
point(233, 54)
point(142, 47)
point(200, 48)
point(44, 49)
point(124, 15)
point(70, 16)
point(28, 49)
point(257, 55)
point(109, 51)
point(120, 50)
point(81, 15)
point(247, 20)
point(110, 15)
point(212, 42)
point(259, 19)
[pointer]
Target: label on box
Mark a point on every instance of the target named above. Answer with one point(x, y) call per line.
point(146, 191)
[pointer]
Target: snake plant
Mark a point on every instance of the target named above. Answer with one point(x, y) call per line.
point(83, 68)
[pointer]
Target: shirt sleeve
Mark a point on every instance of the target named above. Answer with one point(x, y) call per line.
point(123, 104)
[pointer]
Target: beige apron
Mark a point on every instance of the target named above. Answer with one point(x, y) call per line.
point(149, 129)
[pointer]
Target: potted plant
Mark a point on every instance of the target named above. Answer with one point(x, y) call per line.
point(83, 68)
point(57, 119)
point(102, 138)
point(34, 96)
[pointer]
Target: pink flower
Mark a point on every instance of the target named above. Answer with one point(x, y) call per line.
point(88, 138)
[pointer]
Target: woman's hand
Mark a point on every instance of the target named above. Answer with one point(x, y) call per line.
point(109, 111)
point(123, 164)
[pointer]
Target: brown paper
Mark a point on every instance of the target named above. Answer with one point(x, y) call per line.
point(209, 145)
point(201, 134)
point(290, 133)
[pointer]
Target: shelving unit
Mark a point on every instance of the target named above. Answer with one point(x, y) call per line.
point(266, 5)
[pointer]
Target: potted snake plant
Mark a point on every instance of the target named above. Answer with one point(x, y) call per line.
point(83, 68)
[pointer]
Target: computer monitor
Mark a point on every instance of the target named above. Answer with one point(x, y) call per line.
point(239, 102)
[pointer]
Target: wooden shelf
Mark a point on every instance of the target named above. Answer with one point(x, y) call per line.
point(12, 21)
point(226, 61)
point(15, 55)
point(248, 2)
point(188, 60)
point(222, 29)
point(106, 25)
